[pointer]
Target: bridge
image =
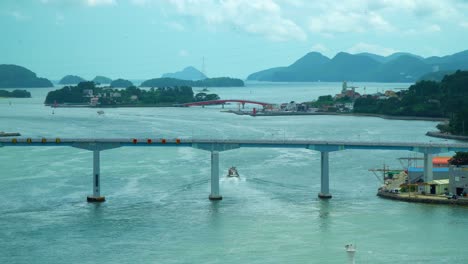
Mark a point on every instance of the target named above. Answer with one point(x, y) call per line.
point(222, 102)
point(215, 146)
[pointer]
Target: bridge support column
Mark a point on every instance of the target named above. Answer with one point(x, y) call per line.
point(96, 197)
point(324, 179)
point(223, 106)
point(243, 105)
point(428, 175)
point(214, 195)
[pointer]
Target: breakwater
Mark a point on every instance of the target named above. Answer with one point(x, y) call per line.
point(417, 198)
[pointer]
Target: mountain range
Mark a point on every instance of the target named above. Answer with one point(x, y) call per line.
point(364, 67)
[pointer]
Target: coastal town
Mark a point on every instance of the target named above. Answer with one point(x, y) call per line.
point(443, 180)
point(342, 102)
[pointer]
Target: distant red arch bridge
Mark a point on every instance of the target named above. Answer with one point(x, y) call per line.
point(222, 102)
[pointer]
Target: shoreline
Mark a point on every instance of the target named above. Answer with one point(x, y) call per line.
point(446, 136)
point(417, 198)
point(417, 118)
point(109, 106)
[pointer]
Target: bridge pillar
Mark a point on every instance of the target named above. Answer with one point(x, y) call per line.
point(324, 179)
point(222, 105)
point(214, 195)
point(96, 197)
point(428, 175)
point(243, 105)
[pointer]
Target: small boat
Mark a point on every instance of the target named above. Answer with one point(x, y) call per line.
point(351, 250)
point(100, 112)
point(232, 172)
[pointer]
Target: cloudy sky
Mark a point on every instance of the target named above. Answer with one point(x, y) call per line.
point(140, 39)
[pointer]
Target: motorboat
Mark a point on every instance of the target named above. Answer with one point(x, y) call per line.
point(232, 172)
point(100, 112)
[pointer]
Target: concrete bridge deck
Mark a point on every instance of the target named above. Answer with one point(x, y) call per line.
point(215, 146)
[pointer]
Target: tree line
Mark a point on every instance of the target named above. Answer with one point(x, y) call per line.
point(15, 94)
point(447, 98)
point(81, 94)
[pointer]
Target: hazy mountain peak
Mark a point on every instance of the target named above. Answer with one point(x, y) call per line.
point(71, 79)
point(311, 59)
point(188, 73)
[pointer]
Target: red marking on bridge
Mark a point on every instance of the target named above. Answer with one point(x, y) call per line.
point(218, 102)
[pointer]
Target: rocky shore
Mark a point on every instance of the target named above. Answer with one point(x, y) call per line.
point(445, 135)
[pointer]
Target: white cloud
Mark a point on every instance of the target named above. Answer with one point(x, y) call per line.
point(175, 26)
point(320, 48)
point(19, 16)
point(262, 17)
point(90, 3)
point(428, 29)
point(99, 2)
point(433, 28)
point(363, 16)
point(183, 53)
point(338, 21)
point(366, 47)
point(59, 19)
point(140, 2)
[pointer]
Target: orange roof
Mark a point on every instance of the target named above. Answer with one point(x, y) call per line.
point(440, 160)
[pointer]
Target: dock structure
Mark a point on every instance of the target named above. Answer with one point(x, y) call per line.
point(216, 146)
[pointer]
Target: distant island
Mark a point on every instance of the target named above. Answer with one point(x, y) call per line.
point(209, 82)
point(189, 73)
point(71, 79)
point(14, 76)
point(87, 94)
point(363, 67)
point(121, 83)
point(102, 80)
point(15, 94)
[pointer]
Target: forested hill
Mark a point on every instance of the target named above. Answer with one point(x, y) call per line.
point(85, 93)
point(14, 76)
point(209, 82)
point(448, 98)
point(364, 67)
point(71, 79)
point(188, 73)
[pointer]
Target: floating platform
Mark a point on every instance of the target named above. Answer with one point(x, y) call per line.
point(92, 199)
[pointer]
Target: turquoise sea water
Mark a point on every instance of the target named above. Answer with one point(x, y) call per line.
point(157, 208)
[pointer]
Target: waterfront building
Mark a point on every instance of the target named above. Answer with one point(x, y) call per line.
point(458, 180)
point(437, 187)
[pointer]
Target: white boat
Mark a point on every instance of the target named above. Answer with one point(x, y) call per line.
point(350, 250)
point(232, 172)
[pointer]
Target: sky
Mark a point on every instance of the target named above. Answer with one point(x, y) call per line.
point(142, 39)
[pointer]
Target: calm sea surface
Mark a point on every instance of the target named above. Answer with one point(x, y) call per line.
point(157, 208)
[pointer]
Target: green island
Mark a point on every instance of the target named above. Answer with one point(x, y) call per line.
point(121, 83)
point(14, 76)
point(87, 94)
point(15, 94)
point(71, 79)
point(102, 80)
point(208, 82)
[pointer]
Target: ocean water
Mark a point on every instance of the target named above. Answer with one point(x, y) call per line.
point(157, 208)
